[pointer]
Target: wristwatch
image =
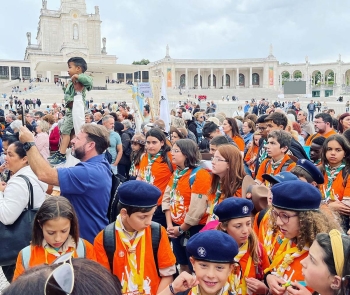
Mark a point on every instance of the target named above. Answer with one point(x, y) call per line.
point(181, 231)
point(28, 145)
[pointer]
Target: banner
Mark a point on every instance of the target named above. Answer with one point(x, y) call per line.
point(164, 113)
point(138, 100)
point(145, 89)
point(271, 76)
point(169, 77)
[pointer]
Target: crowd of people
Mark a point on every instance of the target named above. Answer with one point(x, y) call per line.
point(254, 202)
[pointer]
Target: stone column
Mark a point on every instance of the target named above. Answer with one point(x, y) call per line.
point(186, 79)
point(211, 79)
point(141, 76)
point(237, 77)
point(224, 80)
point(124, 77)
point(250, 77)
point(10, 73)
point(20, 73)
point(199, 78)
point(133, 77)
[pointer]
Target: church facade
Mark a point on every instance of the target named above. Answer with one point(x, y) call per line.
point(72, 31)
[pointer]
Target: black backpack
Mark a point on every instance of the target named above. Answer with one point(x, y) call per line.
point(128, 151)
point(112, 211)
point(109, 242)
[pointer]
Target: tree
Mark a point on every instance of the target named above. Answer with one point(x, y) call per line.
point(141, 62)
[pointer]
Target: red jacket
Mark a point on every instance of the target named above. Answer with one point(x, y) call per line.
point(54, 139)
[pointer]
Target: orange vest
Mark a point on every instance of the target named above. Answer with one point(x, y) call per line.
point(39, 256)
point(266, 168)
point(239, 141)
point(160, 173)
point(183, 192)
point(337, 189)
point(166, 258)
point(326, 135)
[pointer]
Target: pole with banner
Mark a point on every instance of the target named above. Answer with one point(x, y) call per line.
point(164, 113)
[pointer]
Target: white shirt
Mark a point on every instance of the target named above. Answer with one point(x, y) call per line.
point(14, 199)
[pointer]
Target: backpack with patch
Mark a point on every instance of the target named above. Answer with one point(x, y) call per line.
point(25, 253)
point(109, 242)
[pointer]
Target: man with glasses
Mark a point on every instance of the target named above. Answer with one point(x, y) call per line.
point(30, 120)
point(179, 112)
point(323, 127)
point(305, 125)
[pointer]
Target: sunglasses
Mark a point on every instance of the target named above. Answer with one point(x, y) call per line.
point(61, 280)
point(135, 142)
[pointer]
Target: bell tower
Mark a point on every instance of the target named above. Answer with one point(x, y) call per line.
point(68, 5)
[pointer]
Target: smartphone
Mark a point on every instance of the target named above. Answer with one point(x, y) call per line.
point(23, 116)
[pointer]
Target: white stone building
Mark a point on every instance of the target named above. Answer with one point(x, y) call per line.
point(71, 31)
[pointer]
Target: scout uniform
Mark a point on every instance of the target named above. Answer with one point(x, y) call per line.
point(299, 198)
point(35, 255)
point(233, 208)
point(133, 260)
point(200, 247)
point(269, 167)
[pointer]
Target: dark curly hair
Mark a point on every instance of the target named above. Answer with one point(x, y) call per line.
point(311, 223)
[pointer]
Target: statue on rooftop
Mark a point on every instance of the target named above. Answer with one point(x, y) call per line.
point(104, 41)
point(44, 2)
point(167, 51)
point(29, 38)
point(97, 10)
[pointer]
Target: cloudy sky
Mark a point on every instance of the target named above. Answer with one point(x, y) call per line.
point(204, 29)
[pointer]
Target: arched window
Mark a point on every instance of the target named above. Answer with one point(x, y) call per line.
point(75, 32)
point(228, 80)
point(241, 80)
point(183, 80)
point(214, 81)
point(256, 79)
point(196, 81)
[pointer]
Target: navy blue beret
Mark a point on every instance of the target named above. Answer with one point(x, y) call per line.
point(138, 193)
point(280, 177)
point(233, 207)
point(204, 246)
point(310, 168)
point(300, 196)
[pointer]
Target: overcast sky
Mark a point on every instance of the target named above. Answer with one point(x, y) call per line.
point(204, 29)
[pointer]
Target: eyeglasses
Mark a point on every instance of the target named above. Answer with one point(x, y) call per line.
point(216, 159)
point(61, 280)
point(283, 216)
point(175, 151)
point(135, 142)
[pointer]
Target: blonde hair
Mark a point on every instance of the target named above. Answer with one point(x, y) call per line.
point(44, 126)
point(253, 242)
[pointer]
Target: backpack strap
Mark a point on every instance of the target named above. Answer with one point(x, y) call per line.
point(261, 216)
point(156, 235)
point(81, 249)
point(109, 243)
point(193, 175)
point(25, 257)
